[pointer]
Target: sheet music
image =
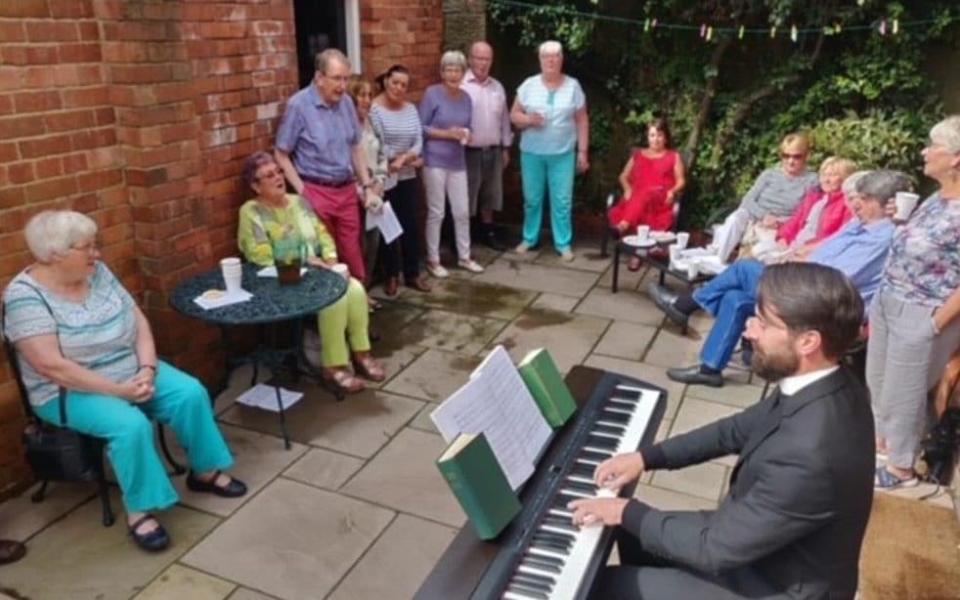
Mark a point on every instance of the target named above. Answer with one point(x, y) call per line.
point(496, 402)
point(387, 221)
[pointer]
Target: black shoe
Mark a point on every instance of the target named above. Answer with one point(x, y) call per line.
point(155, 541)
point(490, 240)
point(665, 299)
point(234, 489)
point(694, 376)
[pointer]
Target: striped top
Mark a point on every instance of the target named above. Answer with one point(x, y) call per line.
point(99, 334)
point(399, 131)
point(776, 193)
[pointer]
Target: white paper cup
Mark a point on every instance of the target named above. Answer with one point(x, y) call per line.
point(683, 238)
point(905, 202)
point(692, 269)
point(342, 270)
point(466, 136)
point(674, 252)
point(232, 273)
point(643, 232)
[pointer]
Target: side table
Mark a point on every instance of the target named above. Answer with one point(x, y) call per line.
point(271, 304)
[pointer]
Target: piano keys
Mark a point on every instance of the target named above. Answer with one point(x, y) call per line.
point(542, 555)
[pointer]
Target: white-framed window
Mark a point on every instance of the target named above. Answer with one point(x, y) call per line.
point(322, 24)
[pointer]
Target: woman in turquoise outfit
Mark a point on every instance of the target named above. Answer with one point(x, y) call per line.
point(551, 110)
point(73, 325)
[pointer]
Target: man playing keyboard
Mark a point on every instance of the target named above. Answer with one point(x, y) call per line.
point(800, 494)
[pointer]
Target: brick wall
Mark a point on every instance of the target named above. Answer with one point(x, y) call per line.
point(140, 113)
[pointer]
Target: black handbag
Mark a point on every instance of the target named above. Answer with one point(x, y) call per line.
point(55, 453)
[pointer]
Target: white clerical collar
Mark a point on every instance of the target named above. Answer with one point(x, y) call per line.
point(793, 384)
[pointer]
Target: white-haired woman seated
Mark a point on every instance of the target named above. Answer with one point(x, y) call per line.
point(73, 325)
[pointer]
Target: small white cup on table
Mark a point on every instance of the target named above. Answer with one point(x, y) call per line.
point(643, 232)
point(683, 238)
point(232, 272)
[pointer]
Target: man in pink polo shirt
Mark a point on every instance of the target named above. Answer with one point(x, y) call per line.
point(488, 149)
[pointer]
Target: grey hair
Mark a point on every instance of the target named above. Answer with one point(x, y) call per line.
point(550, 47)
point(453, 58)
point(883, 184)
point(947, 132)
point(54, 232)
point(849, 186)
point(323, 59)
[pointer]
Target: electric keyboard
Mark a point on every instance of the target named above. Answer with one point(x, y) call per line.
point(542, 555)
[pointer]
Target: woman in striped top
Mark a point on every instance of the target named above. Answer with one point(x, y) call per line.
point(74, 326)
point(397, 124)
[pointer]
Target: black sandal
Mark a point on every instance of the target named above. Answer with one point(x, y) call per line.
point(154, 541)
point(234, 489)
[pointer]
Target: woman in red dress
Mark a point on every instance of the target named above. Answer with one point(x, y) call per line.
point(651, 180)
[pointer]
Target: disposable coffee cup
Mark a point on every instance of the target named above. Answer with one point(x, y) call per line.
point(466, 136)
point(683, 238)
point(674, 251)
point(342, 270)
point(692, 269)
point(905, 202)
point(643, 232)
point(232, 274)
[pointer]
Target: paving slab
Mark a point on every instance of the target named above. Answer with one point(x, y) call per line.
point(557, 302)
point(21, 518)
point(705, 480)
point(670, 349)
point(586, 257)
point(472, 298)
point(568, 337)
point(451, 332)
point(259, 458)
point(423, 422)
point(77, 557)
point(696, 413)
point(404, 477)
point(434, 375)
point(622, 306)
point(243, 593)
point(398, 562)
point(292, 541)
point(179, 581)
point(359, 425)
point(324, 468)
point(625, 340)
point(508, 271)
point(645, 372)
point(733, 393)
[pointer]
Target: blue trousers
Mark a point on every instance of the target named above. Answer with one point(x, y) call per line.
point(180, 402)
point(543, 173)
point(730, 297)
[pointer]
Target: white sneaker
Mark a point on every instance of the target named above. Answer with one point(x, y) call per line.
point(522, 248)
point(470, 265)
point(437, 271)
point(567, 256)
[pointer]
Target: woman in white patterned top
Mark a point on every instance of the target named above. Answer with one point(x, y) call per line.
point(73, 325)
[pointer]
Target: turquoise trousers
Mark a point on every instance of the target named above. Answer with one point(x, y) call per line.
point(543, 173)
point(180, 402)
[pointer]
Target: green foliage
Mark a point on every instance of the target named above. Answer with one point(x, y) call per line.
point(858, 94)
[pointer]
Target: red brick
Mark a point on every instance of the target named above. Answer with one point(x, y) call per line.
point(96, 180)
point(93, 139)
point(86, 203)
point(25, 8)
point(86, 96)
point(54, 188)
point(52, 31)
point(69, 120)
point(10, 196)
point(22, 126)
point(105, 116)
point(20, 172)
point(12, 31)
point(8, 152)
point(48, 168)
point(140, 73)
point(157, 115)
point(80, 53)
point(73, 163)
point(30, 55)
point(11, 78)
point(89, 31)
point(37, 101)
point(71, 8)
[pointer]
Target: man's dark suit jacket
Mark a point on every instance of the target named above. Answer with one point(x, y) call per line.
point(799, 499)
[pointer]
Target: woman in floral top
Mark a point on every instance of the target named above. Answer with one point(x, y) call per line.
point(913, 319)
point(275, 215)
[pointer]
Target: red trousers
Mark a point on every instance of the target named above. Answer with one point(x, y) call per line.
point(337, 208)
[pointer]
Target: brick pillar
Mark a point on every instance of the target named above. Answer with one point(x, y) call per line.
point(465, 21)
point(408, 32)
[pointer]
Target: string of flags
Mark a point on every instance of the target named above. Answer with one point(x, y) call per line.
point(708, 32)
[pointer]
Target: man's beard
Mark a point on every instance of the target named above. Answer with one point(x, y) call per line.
point(774, 367)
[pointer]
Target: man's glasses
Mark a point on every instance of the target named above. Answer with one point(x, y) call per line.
point(789, 156)
point(270, 174)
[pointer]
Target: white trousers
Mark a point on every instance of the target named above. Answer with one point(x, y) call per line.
point(441, 184)
point(729, 234)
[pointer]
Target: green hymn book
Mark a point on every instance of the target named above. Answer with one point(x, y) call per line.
point(545, 383)
point(474, 475)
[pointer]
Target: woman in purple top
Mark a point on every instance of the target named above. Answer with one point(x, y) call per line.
point(445, 112)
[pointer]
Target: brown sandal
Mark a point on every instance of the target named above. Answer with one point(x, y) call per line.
point(344, 380)
point(368, 367)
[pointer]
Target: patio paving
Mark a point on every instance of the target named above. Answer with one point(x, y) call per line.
point(356, 509)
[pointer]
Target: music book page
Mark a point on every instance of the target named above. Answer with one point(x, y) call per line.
point(497, 403)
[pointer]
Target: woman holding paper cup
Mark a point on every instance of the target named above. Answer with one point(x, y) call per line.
point(913, 319)
point(445, 112)
point(73, 325)
point(273, 215)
